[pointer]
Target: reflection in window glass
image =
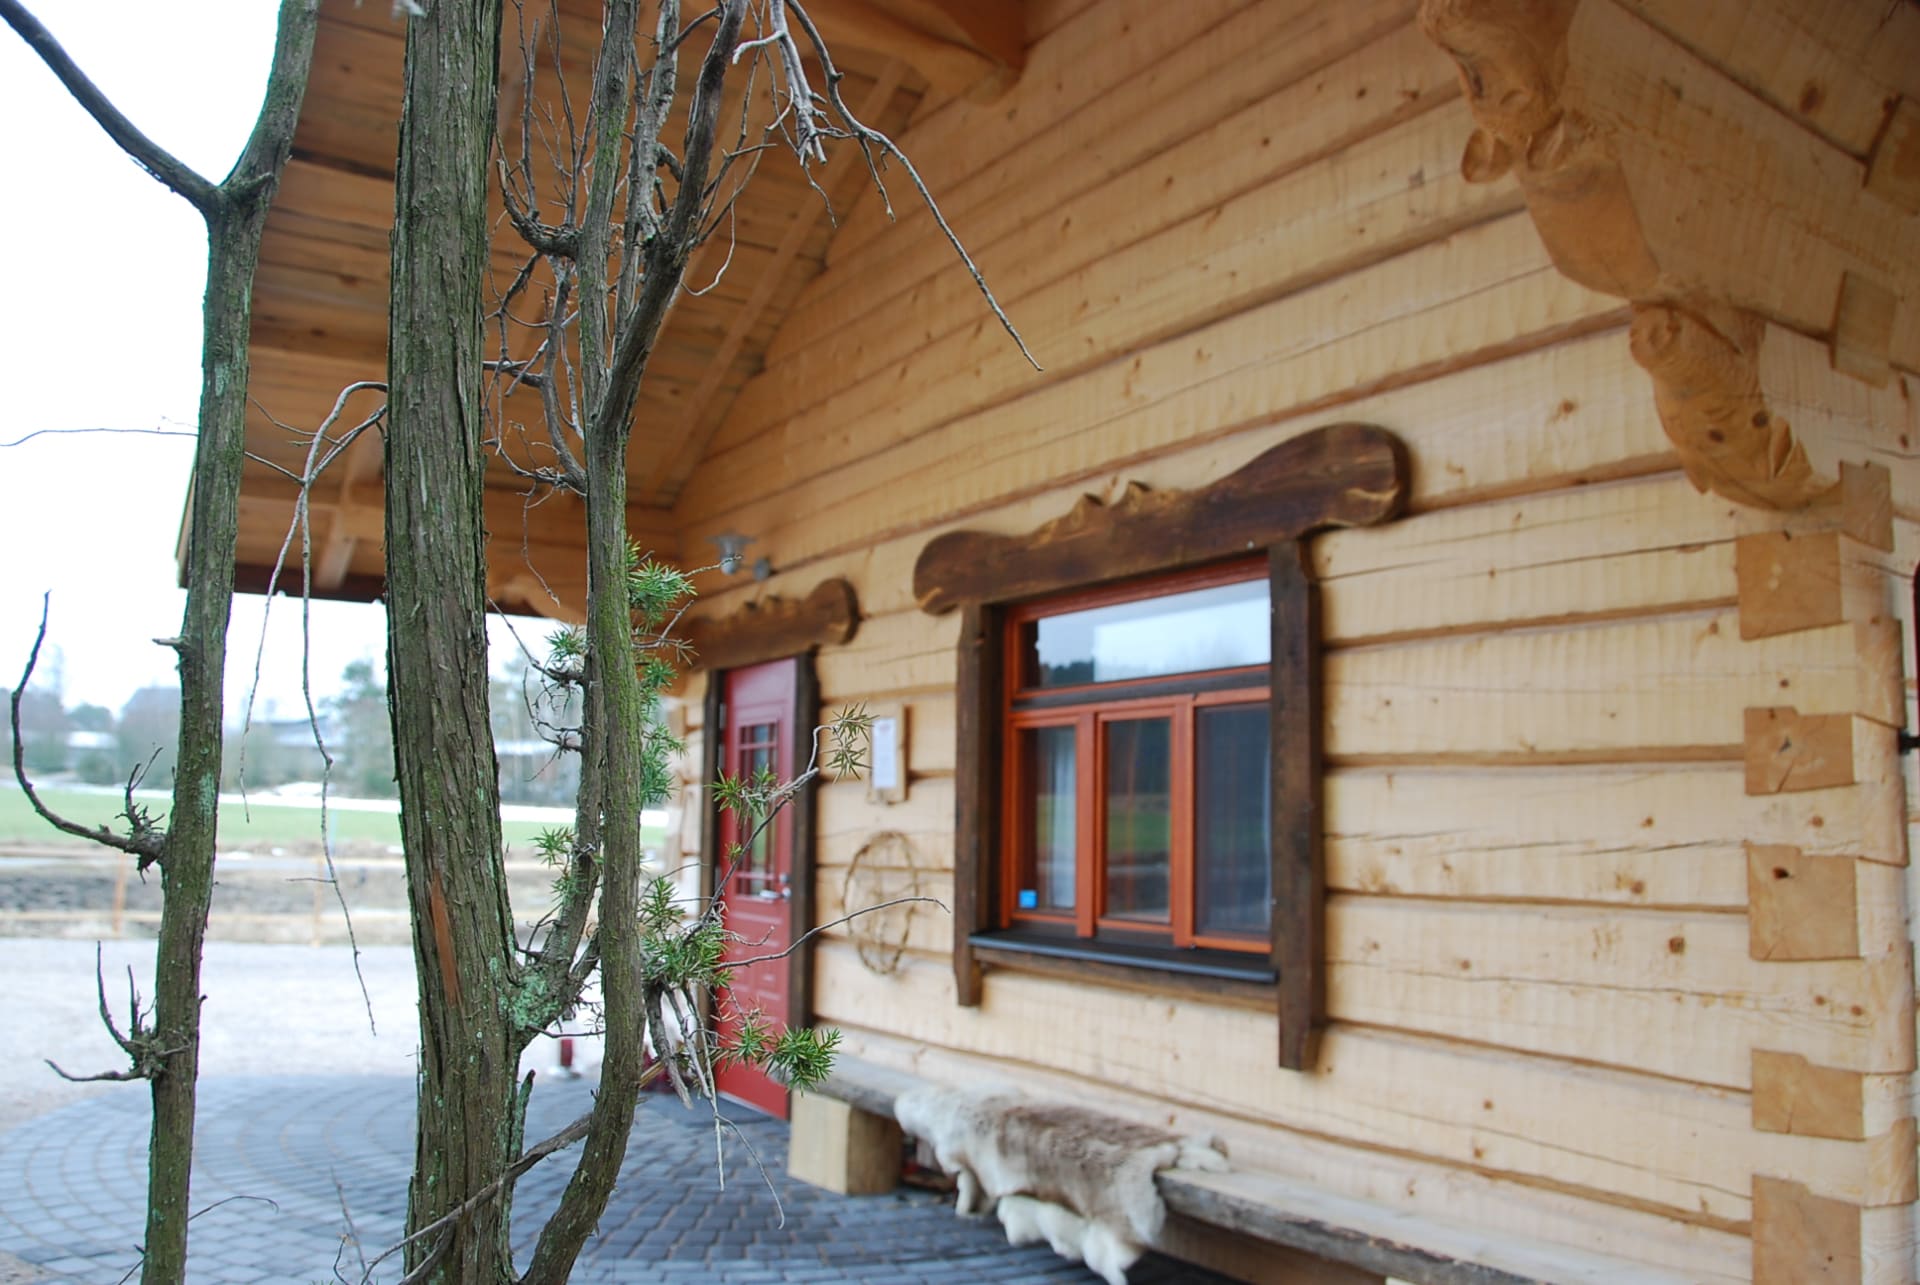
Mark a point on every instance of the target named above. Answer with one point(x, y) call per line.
point(1047, 881)
point(1139, 818)
point(1223, 627)
point(1232, 825)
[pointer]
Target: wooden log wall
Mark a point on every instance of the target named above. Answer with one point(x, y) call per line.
point(1617, 925)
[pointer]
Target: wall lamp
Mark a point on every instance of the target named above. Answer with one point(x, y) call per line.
point(733, 554)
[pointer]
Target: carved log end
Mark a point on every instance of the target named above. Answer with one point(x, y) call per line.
point(1371, 461)
point(1706, 385)
point(833, 604)
point(1512, 56)
point(1486, 158)
point(929, 584)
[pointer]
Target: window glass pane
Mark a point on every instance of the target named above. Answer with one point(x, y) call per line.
point(1232, 829)
point(1047, 755)
point(1222, 627)
point(1138, 800)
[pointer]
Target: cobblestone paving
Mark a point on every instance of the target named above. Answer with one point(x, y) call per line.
point(72, 1187)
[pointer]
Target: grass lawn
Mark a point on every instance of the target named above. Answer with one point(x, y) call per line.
point(259, 825)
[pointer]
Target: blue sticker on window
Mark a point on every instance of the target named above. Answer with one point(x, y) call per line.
point(1029, 899)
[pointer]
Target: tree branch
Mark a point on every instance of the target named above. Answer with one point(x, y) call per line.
point(148, 846)
point(131, 432)
point(847, 918)
point(149, 155)
point(137, 1043)
point(668, 250)
point(868, 138)
point(257, 172)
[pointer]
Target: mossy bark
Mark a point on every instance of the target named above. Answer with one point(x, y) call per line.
point(235, 217)
point(186, 871)
point(467, 1127)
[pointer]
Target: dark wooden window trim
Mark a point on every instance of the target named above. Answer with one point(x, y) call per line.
point(806, 702)
point(976, 786)
point(1299, 882)
point(1342, 475)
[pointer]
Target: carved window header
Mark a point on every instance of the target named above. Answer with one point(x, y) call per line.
point(1341, 475)
point(775, 627)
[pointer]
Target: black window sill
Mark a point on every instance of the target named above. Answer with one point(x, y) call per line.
point(1218, 973)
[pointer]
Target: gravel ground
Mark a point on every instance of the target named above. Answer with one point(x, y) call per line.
point(281, 995)
point(270, 1010)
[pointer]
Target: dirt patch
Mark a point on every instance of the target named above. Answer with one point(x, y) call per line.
point(17, 1271)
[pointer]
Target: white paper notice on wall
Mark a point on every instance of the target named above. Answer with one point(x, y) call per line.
point(887, 775)
point(886, 753)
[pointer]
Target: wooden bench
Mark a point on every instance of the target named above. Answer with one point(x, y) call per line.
point(845, 1139)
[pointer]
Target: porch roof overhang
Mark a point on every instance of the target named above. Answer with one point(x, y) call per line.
point(1726, 170)
point(320, 294)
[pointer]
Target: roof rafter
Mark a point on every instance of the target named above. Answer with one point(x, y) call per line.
point(975, 48)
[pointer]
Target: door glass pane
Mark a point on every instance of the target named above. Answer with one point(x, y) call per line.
point(758, 742)
point(1233, 825)
point(1222, 627)
point(1047, 756)
point(1138, 802)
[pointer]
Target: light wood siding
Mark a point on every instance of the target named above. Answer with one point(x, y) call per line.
point(1221, 224)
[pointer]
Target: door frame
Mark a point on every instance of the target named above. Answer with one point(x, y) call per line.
point(800, 904)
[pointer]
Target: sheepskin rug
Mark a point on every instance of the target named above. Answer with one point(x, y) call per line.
point(1079, 1180)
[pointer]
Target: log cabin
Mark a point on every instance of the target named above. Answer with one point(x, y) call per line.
point(1414, 687)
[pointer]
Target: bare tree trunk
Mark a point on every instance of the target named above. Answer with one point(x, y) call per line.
point(168, 1054)
point(468, 1124)
point(632, 208)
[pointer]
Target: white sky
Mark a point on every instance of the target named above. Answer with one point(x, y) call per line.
point(102, 323)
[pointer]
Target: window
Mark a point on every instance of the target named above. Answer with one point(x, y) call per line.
point(1137, 720)
point(1136, 797)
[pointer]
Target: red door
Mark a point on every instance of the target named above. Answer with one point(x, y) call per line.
point(757, 891)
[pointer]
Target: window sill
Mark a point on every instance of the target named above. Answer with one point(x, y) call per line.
point(1214, 973)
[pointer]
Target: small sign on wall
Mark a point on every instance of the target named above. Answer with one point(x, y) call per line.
point(887, 772)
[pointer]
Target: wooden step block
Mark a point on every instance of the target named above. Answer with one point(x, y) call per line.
point(841, 1148)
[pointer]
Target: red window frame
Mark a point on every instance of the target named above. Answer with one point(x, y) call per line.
point(1104, 703)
